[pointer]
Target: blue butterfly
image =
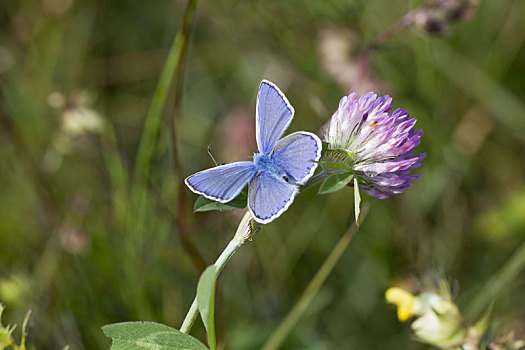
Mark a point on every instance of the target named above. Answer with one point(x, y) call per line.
point(276, 172)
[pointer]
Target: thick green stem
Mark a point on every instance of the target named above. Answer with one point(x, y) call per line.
point(245, 231)
point(190, 318)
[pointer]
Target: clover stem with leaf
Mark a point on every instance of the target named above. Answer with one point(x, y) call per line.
point(273, 177)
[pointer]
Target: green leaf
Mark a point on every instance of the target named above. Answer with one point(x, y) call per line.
point(204, 204)
point(335, 182)
point(357, 201)
point(149, 335)
point(206, 302)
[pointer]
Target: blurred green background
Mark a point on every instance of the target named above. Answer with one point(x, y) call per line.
point(85, 242)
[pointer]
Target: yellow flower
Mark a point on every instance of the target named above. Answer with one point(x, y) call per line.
point(438, 319)
point(440, 323)
point(403, 300)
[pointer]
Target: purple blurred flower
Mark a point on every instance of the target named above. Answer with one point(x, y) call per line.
point(377, 144)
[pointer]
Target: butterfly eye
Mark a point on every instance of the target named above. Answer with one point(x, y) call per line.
point(285, 178)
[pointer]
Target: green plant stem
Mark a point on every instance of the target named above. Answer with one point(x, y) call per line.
point(244, 232)
point(184, 207)
point(172, 74)
point(191, 316)
point(153, 119)
point(497, 283)
point(173, 69)
point(286, 326)
point(189, 18)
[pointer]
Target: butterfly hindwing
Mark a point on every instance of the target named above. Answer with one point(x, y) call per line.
point(269, 197)
point(222, 183)
point(297, 155)
point(287, 163)
point(273, 116)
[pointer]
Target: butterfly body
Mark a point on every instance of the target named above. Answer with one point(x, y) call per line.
point(274, 175)
point(264, 164)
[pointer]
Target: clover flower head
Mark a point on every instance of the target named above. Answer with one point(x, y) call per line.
point(375, 142)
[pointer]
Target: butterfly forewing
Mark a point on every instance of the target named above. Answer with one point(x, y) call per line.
point(287, 163)
point(297, 155)
point(273, 116)
point(269, 197)
point(222, 183)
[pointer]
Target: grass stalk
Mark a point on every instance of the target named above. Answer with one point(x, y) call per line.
point(286, 326)
point(498, 283)
point(172, 75)
point(184, 207)
point(153, 119)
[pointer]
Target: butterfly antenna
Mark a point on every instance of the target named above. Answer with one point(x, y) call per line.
point(211, 156)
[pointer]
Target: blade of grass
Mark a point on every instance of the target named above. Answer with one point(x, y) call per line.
point(116, 170)
point(287, 325)
point(499, 282)
point(152, 124)
point(189, 18)
point(153, 119)
point(184, 207)
point(172, 74)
